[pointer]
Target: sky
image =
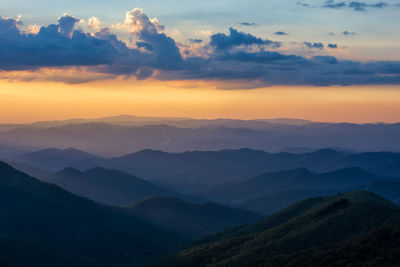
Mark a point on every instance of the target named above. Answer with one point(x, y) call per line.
point(320, 60)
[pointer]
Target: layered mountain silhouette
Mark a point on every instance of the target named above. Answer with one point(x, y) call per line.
point(193, 220)
point(106, 186)
point(305, 233)
point(200, 170)
point(45, 218)
point(271, 192)
point(53, 159)
point(115, 137)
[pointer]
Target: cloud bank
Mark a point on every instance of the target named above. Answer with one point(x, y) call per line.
point(152, 54)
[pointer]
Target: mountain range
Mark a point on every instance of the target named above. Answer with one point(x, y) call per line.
point(274, 191)
point(116, 136)
point(43, 218)
point(191, 219)
point(309, 233)
point(111, 187)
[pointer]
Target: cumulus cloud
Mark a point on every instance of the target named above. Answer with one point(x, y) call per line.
point(235, 38)
point(66, 24)
point(332, 46)
point(94, 24)
point(233, 56)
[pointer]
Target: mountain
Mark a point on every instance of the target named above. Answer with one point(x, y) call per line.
point(53, 159)
point(313, 224)
point(196, 170)
point(193, 220)
point(377, 248)
point(296, 179)
point(388, 189)
point(35, 212)
point(26, 168)
point(18, 253)
point(274, 202)
point(110, 187)
point(114, 137)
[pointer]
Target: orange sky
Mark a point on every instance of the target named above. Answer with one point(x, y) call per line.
point(22, 102)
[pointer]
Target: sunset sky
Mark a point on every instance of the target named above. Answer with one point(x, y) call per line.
point(320, 60)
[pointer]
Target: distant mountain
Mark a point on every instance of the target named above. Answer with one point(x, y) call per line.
point(194, 220)
point(106, 186)
point(53, 159)
point(388, 189)
point(117, 136)
point(296, 179)
point(197, 169)
point(131, 120)
point(308, 226)
point(274, 202)
point(49, 217)
point(26, 168)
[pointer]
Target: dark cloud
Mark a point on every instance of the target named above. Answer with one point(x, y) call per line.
point(196, 41)
point(228, 57)
point(247, 24)
point(235, 38)
point(355, 5)
point(304, 4)
point(361, 6)
point(332, 4)
point(281, 33)
point(314, 45)
point(332, 46)
point(66, 24)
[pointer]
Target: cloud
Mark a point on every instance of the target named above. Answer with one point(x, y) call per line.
point(235, 38)
point(66, 24)
point(361, 6)
point(314, 45)
point(165, 54)
point(196, 41)
point(94, 24)
point(354, 5)
point(304, 4)
point(332, 4)
point(236, 56)
point(281, 33)
point(332, 46)
point(247, 24)
point(348, 33)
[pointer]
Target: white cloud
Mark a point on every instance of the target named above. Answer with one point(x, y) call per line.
point(94, 24)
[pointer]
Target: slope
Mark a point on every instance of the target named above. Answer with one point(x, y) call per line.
point(194, 220)
point(44, 214)
point(111, 187)
point(313, 223)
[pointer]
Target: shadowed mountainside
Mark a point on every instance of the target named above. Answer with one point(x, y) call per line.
point(48, 216)
point(270, 192)
point(106, 186)
point(309, 226)
point(194, 220)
